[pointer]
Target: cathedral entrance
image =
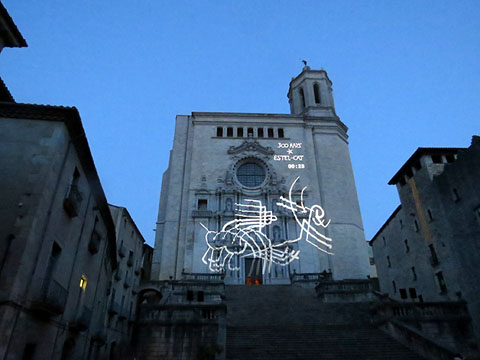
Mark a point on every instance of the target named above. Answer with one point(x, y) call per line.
point(253, 271)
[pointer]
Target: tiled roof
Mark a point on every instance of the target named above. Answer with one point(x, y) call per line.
point(5, 94)
point(9, 31)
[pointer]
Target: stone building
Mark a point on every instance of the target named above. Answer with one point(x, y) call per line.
point(133, 257)
point(58, 238)
point(428, 249)
point(262, 196)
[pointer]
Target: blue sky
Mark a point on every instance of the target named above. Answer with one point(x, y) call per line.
point(405, 74)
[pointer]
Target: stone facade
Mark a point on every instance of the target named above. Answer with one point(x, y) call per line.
point(133, 257)
point(58, 237)
point(428, 249)
point(203, 184)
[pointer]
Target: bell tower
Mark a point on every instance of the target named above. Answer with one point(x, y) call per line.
point(310, 93)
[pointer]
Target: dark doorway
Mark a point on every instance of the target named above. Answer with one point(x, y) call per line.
point(253, 271)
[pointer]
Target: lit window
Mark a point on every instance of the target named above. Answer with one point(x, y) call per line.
point(83, 282)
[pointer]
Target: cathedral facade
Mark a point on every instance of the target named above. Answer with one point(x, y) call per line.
point(260, 197)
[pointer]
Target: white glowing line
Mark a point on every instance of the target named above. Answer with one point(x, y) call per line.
point(243, 236)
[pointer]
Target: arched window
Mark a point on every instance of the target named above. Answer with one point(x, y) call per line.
point(219, 131)
point(270, 133)
point(250, 132)
point(239, 132)
point(302, 97)
point(316, 91)
point(229, 132)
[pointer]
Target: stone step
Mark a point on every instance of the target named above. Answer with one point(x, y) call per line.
point(289, 322)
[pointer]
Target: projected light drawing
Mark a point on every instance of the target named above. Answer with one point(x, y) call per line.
point(244, 236)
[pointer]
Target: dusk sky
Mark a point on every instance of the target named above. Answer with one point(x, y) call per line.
point(405, 75)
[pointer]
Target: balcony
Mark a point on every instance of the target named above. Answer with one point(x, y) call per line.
point(72, 201)
point(113, 308)
point(82, 319)
point(51, 299)
point(94, 244)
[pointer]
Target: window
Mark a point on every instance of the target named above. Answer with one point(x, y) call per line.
point(302, 98)
point(415, 223)
point(250, 132)
point(477, 214)
point(455, 195)
point(384, 241)
point(239, 132)
point(394, 285)
point(251, 174)
point(414, 273)
point(73, 198)
point(430, 216)
point(407, 248)
point(401, 224)
point(402, 181)
point(270, 133)
point(219, 131)
point(389, 264)
point(403, 293)
point(441, 282)
point(200, 296)
point(83, 282)
point(229, 132)
point(417, 165)
point(260, 132)
point(316, 92)
point(280, 133)
point(202, 204)
point(433, 256)
point(413, 293)
point(189, 295)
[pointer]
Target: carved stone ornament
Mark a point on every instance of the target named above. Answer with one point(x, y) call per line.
point(250, 145)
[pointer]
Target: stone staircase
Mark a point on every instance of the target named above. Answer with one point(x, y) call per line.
point(289, 322)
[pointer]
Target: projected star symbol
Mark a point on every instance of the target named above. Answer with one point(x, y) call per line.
point(289, 151)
